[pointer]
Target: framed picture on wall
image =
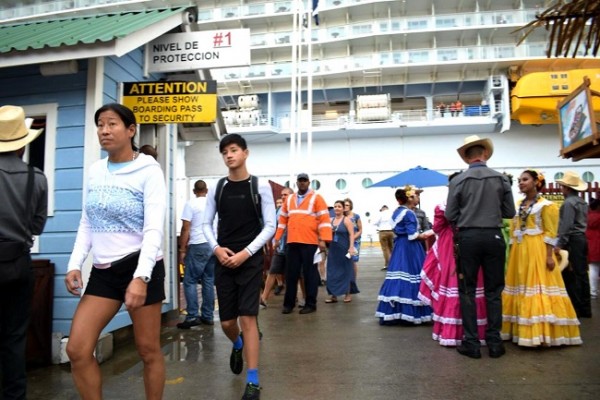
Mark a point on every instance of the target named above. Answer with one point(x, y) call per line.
point(577, 123)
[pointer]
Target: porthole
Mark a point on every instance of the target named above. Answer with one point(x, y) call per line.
point(367, 182)
point(341, 184)
point(315, 184)
point(587, 177)
point(558, 176)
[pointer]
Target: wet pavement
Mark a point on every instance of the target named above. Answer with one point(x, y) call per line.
point(342, 353)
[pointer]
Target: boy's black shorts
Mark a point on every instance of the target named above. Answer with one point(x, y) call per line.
point(238, 289)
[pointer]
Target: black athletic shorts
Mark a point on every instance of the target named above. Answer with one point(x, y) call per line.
point(238, 289)
point(112, 282)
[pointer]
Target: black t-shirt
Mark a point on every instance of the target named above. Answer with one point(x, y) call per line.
point(238, 221)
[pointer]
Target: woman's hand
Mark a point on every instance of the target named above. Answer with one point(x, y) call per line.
point(550, 264)
point(135, 296)
point(73, 282)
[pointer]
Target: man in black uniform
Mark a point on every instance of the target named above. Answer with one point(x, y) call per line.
point(24, 199)
point(478, 200)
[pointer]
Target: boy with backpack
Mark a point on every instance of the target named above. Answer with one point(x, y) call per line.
point(246, 221)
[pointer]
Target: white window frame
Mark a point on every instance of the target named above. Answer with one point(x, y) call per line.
point(50, 111)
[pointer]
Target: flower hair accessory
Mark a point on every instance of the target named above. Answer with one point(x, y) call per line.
point(409, 190)
point(540, 177)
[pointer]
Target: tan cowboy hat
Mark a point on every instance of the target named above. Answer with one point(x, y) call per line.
point(572, 180)
point(563, 259)
point(475, 140)
point(14, 129)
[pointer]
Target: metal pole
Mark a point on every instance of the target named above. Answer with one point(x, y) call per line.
point(309, 89)
point(293, 93)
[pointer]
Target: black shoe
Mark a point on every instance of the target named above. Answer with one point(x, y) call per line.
point(465, 351)
point(286, 310)
point(278, 290)
point(322, 283)
point(307, 310)
point(497, 351)
point(188, 323)
point(384, 269)
point(236, 360)
point(207, 321)
point(252, 392)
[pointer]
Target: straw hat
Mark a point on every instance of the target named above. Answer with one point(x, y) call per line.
point(14, 129)
point(572, 180)
point(563, 259)
point(475, 140)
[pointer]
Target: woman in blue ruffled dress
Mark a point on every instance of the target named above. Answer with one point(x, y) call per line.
point(398, 296)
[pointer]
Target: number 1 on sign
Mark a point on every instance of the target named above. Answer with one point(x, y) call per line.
point(219, 42)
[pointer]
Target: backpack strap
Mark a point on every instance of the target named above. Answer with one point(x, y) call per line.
point(256, 200)
point(29, 194)
point(219, 192)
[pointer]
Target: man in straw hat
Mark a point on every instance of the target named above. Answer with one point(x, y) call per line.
point(478, 200)
point(22, 215)
point(571, 236)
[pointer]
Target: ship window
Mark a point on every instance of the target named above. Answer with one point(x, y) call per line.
point(555, 87)
point(565, 87)
point(553, 76)
point(563, 76)
point(587, 177)
point(367, 182)
point(340, 184)
point(316, 185)
point(558, 176)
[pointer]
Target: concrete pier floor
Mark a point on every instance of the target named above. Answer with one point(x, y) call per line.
point(342, 353)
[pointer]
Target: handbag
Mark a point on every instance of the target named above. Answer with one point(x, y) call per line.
point(15, 262)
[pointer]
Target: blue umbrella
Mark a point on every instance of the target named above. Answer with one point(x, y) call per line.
point(418, 176)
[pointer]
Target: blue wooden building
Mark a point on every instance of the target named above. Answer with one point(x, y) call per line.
point(61, 71)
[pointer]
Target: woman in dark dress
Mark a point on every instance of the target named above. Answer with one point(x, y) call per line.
point(340, 271)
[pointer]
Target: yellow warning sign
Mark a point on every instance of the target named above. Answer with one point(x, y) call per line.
point(172, 102)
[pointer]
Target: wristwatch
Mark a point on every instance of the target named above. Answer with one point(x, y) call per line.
point(145, 279)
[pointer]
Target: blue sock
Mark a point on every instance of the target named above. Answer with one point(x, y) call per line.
point(238, 344)
point(252, 376)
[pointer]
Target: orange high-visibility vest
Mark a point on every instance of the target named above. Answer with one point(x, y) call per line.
point(306, 222)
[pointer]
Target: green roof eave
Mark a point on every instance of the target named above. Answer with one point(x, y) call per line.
point(83, 37)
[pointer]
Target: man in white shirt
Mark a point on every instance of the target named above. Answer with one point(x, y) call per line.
point(386, 233)
point(197, 255)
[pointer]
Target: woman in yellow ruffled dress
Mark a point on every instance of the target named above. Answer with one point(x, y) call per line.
point(536, 309)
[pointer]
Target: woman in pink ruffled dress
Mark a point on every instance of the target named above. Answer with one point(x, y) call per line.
point(439, 285)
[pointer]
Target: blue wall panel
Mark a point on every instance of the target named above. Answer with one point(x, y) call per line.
point(56, 243)
point(66, 221)
point(68, 200)
point(69, 158)
point(70, 137)
point(69, 179)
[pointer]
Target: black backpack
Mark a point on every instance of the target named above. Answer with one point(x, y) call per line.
point(254, 193)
